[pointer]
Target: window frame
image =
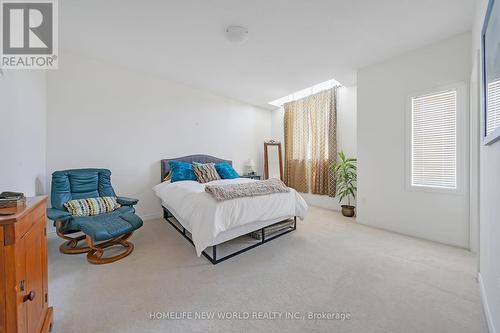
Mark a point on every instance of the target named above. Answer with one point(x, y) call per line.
point(461, 146)
point(494, 136)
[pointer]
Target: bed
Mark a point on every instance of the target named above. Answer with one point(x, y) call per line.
point(207, 223)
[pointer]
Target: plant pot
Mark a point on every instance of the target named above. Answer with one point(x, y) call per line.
point(348, 211)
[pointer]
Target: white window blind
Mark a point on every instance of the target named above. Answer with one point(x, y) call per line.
point(434, 140)
point(493, 103)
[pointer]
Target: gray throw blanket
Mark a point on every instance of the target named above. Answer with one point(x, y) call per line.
point(233, 191)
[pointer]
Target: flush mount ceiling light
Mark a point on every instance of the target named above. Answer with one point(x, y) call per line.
point(236, 33)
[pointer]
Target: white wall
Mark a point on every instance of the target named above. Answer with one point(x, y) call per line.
point(489, 198)
point(346, 137)
point(22, 131)
point(383, 94)
point(100, 115)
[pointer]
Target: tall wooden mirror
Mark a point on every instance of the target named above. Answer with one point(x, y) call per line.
point(273, 164)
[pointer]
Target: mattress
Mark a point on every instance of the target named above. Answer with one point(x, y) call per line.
point(212, 222)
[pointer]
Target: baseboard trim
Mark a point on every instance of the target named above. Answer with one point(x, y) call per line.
point(381, 226)
point(487, 313)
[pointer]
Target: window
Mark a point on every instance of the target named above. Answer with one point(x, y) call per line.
point(434, 120)
point(490, 45)
point(493, 106)
point(310, 126)
point(306, 92)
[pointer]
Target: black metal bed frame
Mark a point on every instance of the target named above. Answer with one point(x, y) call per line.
point(167, 215)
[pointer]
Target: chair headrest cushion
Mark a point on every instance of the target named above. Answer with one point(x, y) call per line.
point(80, 184)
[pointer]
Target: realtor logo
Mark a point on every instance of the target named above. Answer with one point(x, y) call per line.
point(29, 34)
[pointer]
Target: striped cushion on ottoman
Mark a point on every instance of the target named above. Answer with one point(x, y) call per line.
point(92, 206)
point(205, 172)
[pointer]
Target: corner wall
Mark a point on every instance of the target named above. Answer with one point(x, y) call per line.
point(383, 94)
point(102, 115)
point(489, 198)
point(23, 131)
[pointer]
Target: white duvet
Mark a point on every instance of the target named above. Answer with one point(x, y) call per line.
point(207, 218)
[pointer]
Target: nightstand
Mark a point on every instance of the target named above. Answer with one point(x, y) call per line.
point(256, 177)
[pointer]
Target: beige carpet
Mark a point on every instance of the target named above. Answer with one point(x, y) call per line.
point(386, 282)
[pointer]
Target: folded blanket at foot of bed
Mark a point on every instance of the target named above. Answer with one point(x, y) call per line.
point(233, 191)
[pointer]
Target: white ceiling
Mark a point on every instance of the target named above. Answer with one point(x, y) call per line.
point(291, 44)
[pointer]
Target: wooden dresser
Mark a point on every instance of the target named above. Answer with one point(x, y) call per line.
point(23, 269)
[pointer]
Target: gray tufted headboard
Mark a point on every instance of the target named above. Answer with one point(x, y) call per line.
point(165, 167)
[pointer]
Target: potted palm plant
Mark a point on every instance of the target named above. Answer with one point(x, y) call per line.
point(345, 173)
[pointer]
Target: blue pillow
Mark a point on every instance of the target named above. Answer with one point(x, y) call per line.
point(181, 171)
point(226, 171)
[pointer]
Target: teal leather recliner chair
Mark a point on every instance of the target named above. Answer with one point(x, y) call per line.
point(99, 231)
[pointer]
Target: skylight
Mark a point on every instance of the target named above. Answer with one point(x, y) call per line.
point(305, 92)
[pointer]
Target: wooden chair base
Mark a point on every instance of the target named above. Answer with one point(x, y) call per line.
point(71, 246)
point(94, 256)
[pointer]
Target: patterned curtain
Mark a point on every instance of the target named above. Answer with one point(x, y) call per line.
point(311, 142)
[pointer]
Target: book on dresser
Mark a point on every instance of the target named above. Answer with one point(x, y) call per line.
point(12, 199)
point(24, 298)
